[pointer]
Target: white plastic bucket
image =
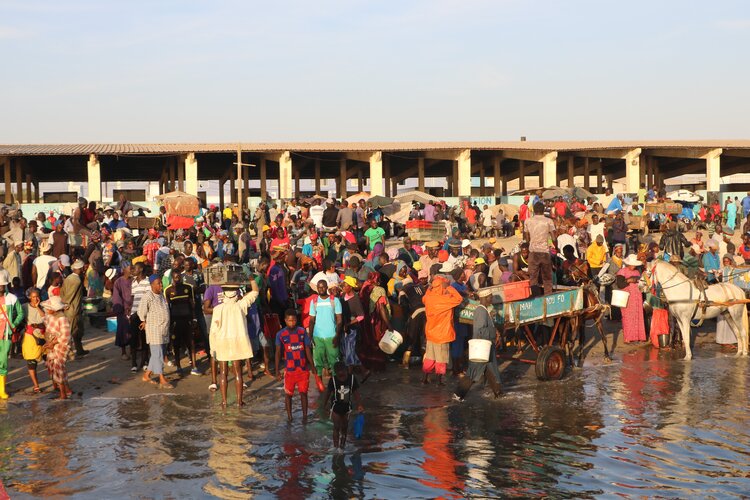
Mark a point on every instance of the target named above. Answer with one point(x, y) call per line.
point(390, 341)
point(479, 350)
point(620, 298)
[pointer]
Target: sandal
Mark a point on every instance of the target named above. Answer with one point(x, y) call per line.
point(150, 381)
point(37, 390)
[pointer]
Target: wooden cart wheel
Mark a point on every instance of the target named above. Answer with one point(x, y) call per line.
point(550, 363)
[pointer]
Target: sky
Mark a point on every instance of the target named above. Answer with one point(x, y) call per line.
point(80, 71)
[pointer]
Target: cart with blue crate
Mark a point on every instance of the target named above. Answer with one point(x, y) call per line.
point(559, 310)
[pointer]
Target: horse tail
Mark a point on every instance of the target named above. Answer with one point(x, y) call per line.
point(745, 325)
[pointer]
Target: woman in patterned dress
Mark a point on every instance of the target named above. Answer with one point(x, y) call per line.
point(633, 326)
point(57, 333)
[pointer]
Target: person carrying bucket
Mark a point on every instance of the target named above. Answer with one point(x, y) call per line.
point(482, 359)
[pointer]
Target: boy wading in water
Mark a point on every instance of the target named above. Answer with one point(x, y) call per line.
point(295, 343)
point(342, 387)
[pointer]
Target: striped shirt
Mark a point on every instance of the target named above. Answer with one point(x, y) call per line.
point(139, 289)
point(154, 311)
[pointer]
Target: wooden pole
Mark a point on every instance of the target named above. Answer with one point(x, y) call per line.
point(317, 177)
point(481, 179)
point(496, 161)
point(181, 172)
point(36, 191)
point(19, 180)
point(420, 173)
point(521, 174)
point(571, 171)
point(28, 188)
point(240, 183)
point(586, 174)
point(8, 194)
point(342, 178)
point(263, 180)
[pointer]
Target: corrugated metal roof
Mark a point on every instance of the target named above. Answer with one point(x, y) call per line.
point(338, 147)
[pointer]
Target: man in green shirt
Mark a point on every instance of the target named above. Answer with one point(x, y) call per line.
point(690, 262)
point(374, 235)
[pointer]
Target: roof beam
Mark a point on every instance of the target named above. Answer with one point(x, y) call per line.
point(692, 153)
point(534, 156)
point(742, 153)
point(450, 155)
point(612, 154)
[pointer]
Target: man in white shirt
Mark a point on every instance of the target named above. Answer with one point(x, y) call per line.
point(487, 221)
point(42, 264)
point(316, 214)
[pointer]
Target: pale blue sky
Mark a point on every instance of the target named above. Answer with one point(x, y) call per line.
point(150, 71)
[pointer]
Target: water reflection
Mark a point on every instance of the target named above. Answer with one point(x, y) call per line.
point(647, 425)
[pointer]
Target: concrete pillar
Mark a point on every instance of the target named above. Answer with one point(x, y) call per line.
point(239, 174)
point(387, 174)
point(632, 170)
point(643, 159)
point(297, 188)
point(599, 177)
point(317, 176)
point(246, 185)
point(610, 182)
point(341, 185)
point(505, 186)
point(191, 174)
point(394, 186)
point(420, 174)
point(549, 169)
point(713, 170)
point(454, 179)
point(285, 175)
point(481, 179)
point(19, 179)
point(36, 191)
point(360, 180)
point(571, 172)
point(181, 173)
point(8, 194)
point(464, 173)
point(232, 192)
point(521, 174)
point(94, 179)
point(263, 180)
point(586, 174)
point(221, 193)
point(172, 175)
point(654, 163)
point(28, 188)
point(496, 161)
point(376, 173)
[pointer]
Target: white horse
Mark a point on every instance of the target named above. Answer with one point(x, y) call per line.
point(686, 302)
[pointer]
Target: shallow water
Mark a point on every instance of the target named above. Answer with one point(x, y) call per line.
point(643, 426)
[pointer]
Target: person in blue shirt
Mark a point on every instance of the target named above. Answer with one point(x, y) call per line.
point(615, 204)
point(746, 205)
point(116, 222)
point(712, 262)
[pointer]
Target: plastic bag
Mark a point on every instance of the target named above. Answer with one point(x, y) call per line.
point(359, 425)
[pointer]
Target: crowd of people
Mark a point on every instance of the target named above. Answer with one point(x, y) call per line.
point(324, 283)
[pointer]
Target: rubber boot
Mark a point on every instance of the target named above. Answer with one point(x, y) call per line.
point(3, 394)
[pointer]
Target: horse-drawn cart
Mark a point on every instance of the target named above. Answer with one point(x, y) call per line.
point(561, 310)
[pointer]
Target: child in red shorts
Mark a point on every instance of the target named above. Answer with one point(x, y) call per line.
point(295, 343)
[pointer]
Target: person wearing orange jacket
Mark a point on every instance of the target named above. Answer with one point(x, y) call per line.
point(439, 302)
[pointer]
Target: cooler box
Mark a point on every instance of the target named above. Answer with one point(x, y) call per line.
point(510, 292)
